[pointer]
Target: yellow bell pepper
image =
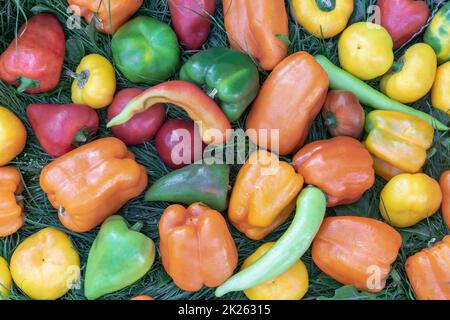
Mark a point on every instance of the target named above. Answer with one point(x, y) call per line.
point(440, 94)
point(412, 76)
point(399, 139)
point(13, 136)
point(45, 265)
point(365, 50)
point(290, 285)
point(323, 18)
point(5, 278)
point(94, 82)
point(409, 198)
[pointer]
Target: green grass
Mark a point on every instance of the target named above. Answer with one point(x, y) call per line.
point(157, 283)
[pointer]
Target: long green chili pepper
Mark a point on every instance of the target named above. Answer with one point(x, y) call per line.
point(311, 207)
point(342, 80)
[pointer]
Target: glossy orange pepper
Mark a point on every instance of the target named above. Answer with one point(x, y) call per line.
point(289, 100)
point(90, 183)
point(429, 272)
point(340, 166)
point(356, 251)
point(264, 194)
point(110, 14)
point(196, 246)
point(444, 182)
point(257, 27)
point(12, 216)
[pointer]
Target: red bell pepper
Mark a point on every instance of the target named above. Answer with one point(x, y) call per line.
point(214, 125)
point(61, 128)
point(403, 18)
point(191, 21)
point(34, 61)
point(142, 127)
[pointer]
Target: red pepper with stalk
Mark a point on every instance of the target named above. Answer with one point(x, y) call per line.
point(33, 62)
point(61, 128)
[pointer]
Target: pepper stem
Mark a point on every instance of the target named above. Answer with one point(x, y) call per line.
point(326, 5)
point(137, 226)
point(27, 83)
point(330, 120)
point(81, 137)
point(81, 78)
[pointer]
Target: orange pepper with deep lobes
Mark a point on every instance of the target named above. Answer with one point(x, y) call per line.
point(429, 272)
point(90, 183)
point(12, 216)
point(196, 246)
point(257, 27)
point(341, 167)
point(264, 194)
point(289, 100)
point(109, 15)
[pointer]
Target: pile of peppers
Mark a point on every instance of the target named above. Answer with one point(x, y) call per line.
point(294, 179)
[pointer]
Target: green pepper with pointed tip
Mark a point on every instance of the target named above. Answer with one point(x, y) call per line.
point(230, 77)
point(119, 257)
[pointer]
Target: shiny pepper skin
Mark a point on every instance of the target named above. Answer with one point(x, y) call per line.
point(13, 136)
point(264, 194)
point(429, 273)
point(90, 183)
point(256, 27)
point(438, 34)
point(412, 77)
point(351, 249)
point(94, 82)
point(399, 139)
point(12, 216)
point(444, 182)
point(323, 18)
point(108, 15)
point(341, 167)
point(409, 198)
point(34, 61)
point(45, 265)
point(440, 93)
point(5, 278)
point(196, 246)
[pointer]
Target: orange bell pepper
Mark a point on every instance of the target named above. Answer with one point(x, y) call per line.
point(255, 27)
point(264, 195)
point(340, 166)
point(429, 273)
point(12, 216)
point(289, 100)
point(196, 246)
point(108, 14)
point(356, 251)
point(90, 183)
point(444, 182)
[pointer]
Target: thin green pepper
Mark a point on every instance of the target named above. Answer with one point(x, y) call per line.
point(311, 207)
point(342, 80)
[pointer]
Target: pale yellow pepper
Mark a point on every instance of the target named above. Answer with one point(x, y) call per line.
point(440, 94)
point(365, 50)
point(5, 278)
point(409, 198)
point(290, 285)
point(45, 265)
point(323, 18)
point(94, 82)
point(412, 77)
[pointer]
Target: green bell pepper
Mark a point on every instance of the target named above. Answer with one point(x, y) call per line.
point(194, 183)
point(118, 257)
point(438, 34)
point(230, 76)
point(146, 50)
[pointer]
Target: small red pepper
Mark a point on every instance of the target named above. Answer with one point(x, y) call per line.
point(61, 128)
point(142, 127)
point(403, 18)
point(191, 21)
point(34, 61)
